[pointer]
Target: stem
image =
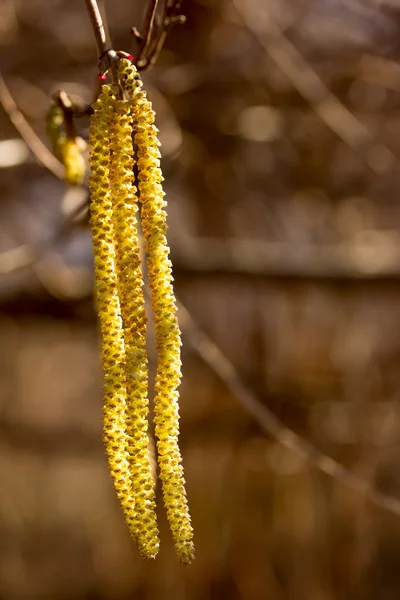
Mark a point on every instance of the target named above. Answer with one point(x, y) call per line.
point(103, 47)
point(97, 25)
point(148, 30)
point(42, 153)
point(170, 16)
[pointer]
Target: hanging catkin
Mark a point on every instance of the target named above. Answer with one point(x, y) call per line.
point(130, 282)
point(108, 303)
point(67, 148)
point(168, 339)
point(122, 315)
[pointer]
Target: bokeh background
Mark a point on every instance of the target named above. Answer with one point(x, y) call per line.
point(280, 129)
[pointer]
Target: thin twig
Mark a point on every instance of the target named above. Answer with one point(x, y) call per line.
point(373, 262)
point(269, 34)
point(104, 46)
point(147, 30)
point(41, 152)
point(71, 109)
point(27, 255)
point(169, 18)
point(97, 26)
point(219, 363)
point(102, 9)
point(375, 259)
point(65, 104)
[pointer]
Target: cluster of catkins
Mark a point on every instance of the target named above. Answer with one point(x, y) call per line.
point(122, 132)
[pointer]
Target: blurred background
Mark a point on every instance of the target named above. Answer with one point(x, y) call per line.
point(280, 130)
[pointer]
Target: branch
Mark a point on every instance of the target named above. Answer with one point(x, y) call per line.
point(147, 34)
point(269, 34)
point(153, 43)
point(104, 48)
point(373, 259)
point(97, 26)
point(219, 363)
point(170, 18)
point(27, 255)
point(35, 144)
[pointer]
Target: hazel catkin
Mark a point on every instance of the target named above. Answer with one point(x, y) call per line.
point(130, 282)
point(108, 304)
point(121, 307)
point(168, 338)
point(67, 148)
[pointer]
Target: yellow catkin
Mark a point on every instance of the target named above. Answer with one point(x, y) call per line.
point(130, 281)
point(67, 149)
point(73, 161)
point(163, 302)
point(113, 351)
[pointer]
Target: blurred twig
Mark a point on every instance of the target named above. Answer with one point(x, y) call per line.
point(41, 152)
point(374, 257)
point(27, 255)
point(270, 36)
point(148, 28)
point(154, 36)
point(219, 363)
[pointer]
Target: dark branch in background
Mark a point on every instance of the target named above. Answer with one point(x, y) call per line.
point(28, 255)
point(171, 17)
point(269, 34)
point(269, 423)
point(35, 144)
point(155, 32)
point(146, 37)
point(373, 261)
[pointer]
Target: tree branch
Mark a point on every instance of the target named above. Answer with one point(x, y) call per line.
point(97, 26)
point(373, 260)
point(269, 423)
point(153, 43)
point(35, 144)
point(269, 34)
point(27, 255)
point(147, 30)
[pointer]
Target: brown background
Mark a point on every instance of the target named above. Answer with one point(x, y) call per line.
point(284, 222)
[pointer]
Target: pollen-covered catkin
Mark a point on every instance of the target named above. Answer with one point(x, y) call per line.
point(130, 282)
point(113, 351)
point(166, 323)
point(67, 149)
point(73, 161)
